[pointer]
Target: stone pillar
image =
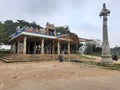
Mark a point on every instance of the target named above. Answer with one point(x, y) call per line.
point(24, 45)
point(42, 47)
point(106, 57)
point(69, 50)
point(53, 48)
point(58, 49)
point(68, 47)
point(50, 48)
point(47, 49)
point(77, 49)
point(14, 48)
point(21, 48)
point(18, 48)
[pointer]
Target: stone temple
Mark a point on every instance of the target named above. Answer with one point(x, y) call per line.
point(29, 44)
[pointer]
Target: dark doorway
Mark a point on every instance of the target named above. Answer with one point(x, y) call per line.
point(31, 47)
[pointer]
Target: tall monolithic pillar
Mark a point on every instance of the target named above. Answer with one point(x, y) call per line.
point(106, 56)
point(24, 45)
point(42, 47)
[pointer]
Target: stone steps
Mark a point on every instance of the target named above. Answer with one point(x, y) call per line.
point(30, 57)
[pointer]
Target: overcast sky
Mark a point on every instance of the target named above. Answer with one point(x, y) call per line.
point(82, 16)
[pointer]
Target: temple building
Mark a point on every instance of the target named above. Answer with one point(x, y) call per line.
point(29, 40)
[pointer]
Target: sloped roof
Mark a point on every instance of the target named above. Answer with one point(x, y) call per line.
point(33, 34)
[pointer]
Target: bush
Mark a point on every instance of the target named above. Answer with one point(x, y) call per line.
point(4, 52)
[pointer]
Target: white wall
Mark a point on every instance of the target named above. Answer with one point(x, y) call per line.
point(5, 47)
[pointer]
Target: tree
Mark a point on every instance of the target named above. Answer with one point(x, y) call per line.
point(75, 44)
point(89, 49)
point(22, 23)
point(93, 48)
point(2, 33)
point(9, 27)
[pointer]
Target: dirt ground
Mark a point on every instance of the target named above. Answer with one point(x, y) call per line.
point(54, 75)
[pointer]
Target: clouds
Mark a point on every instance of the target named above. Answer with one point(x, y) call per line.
point(41, 7)
point(82, 16)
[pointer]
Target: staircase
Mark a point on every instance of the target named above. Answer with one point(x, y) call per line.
point(37, 57)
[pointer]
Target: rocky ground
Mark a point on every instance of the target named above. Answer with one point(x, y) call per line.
point(54, 75)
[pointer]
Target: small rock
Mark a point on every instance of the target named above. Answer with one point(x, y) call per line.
point(33, 75)
point(14, 77)
point(54, 65)
point(60, 74)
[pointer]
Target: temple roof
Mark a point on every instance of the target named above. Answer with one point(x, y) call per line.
point(33, 34)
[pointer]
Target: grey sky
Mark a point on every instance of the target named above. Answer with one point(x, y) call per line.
point(82, 16)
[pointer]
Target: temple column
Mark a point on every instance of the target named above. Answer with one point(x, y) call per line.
point(38, 49)
point(21, 47)
point(69, 50)
point(53, 48)
point(24, 45)
point(14, 48)
point(47, 51)
point(77, 48)
point(11, 49)
point(18, 47)
point(42, 47)
point(50, 48)
point(58, 47)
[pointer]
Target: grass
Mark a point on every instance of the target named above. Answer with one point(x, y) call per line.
point(110, 67)
point(118, 55)
point(113, 67)
point(93, 63)
point(85, 57)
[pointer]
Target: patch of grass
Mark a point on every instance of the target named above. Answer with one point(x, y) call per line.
point(113, 67)
point(3, 53)
point(110, 67)
point(85, 57)
point(119, 56)
point(93, 63)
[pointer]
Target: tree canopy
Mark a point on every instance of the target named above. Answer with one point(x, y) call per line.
point(8, 27)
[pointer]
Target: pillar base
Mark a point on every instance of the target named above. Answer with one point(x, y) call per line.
point(106, 60)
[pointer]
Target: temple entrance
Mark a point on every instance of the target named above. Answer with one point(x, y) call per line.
point(31, 47)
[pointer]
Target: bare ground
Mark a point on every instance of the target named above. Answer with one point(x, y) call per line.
point(54, 75)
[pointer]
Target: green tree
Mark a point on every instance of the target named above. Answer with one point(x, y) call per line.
point(92, 49)
point(2, 33)
point(22, 23)
point(75, 44)
point(9, 27)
